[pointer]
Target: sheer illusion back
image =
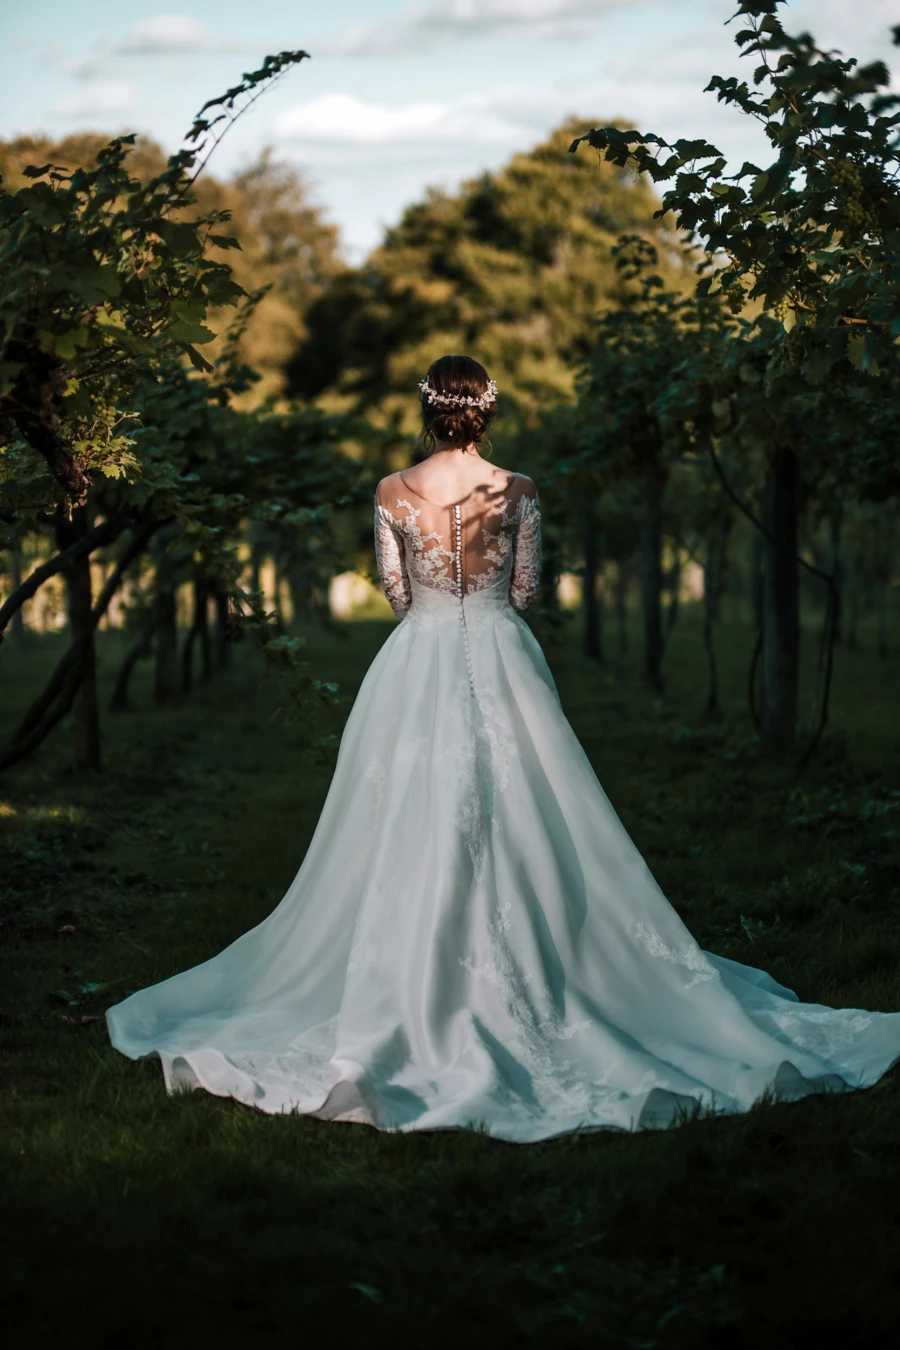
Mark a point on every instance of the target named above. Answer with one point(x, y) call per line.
point(487, 540)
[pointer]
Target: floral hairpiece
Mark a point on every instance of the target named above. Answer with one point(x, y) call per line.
point(459, 400)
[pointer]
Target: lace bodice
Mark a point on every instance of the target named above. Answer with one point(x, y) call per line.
point(489, 541)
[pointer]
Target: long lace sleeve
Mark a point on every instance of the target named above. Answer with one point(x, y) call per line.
point(526, 569)
point(390, 560)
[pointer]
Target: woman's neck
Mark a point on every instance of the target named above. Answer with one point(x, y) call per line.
point(445, 448)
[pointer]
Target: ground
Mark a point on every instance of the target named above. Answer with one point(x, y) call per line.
point(133, 1218)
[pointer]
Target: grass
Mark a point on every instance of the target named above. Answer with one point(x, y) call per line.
point(138, 1219)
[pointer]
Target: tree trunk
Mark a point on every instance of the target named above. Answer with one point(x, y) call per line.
point(143, 646)
point(280, 626)
point(674, 584)
point(199, 630)
point(85, 708)
point(710, 610)
point(223, 646)
point(591, 598)
point(852, 589)
point(551, 566)
point(882, 593)
point(713, 575)
point(61, 690)
point(838, 571)
point(651, 579)
point(780, 628)
point(299, 573)
point(257, 554)
point(81, 546)
point(299, 589)
point(17, 626)
point(757, 565)
point(620, 604)
point(165, 674)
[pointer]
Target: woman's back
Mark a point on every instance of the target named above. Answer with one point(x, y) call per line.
point(448, 478)
point(459, 525)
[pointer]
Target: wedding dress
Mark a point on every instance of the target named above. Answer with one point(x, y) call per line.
point(473, 939)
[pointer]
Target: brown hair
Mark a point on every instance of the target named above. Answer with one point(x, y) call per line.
point(457, 424)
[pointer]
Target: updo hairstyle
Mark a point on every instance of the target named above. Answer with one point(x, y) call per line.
point(457, 425)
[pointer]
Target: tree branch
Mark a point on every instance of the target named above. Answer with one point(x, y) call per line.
point(55, 700)
point(136, 545)
point(104, 533)
point(754, 520)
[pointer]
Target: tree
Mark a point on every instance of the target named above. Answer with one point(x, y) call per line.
point(107, 284)
point(625, 434)
point(288, 251)
point(814, 240)
point(511, 269)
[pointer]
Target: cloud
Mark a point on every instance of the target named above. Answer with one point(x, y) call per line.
point(421, 26)
point(371, 157)
point(344, 119)
point(99, 98)
point(177, 35)
point(507, 117)
point(168, 33)
point(376, 156)
point(164, 35)
point(863, 22)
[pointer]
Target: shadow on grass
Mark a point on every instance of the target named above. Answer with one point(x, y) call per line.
point(135, 1219)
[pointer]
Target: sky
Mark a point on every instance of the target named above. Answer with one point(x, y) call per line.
point(397, 96)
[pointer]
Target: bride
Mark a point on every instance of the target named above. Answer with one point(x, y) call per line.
point(473, 939)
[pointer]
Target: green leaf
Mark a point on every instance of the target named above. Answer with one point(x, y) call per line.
point(856, 348)
point(760, 183)
point(78, 403)
point(190, 311)
point(128, 341)
point(194, 333)
point(767, 185)
point(93, 284)
point(198, 361)
point(182, 237)
point(67, 342)
point(223, 291)
point(368, 1291)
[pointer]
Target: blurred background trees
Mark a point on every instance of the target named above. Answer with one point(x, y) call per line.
point(124, 416)
point(198, 392)
point(513, 269)
point(287, 247)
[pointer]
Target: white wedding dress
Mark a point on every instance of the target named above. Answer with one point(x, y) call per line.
point(473, 939)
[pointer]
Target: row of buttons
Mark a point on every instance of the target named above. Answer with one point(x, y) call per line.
point(459, 592)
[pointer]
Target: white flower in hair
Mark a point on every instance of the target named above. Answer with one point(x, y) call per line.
point(483, 401)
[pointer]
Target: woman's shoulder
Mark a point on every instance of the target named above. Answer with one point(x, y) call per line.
point(386, 493)
point(395, 487)
point(518, 484)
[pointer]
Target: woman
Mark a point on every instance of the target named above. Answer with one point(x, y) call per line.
point(473, 939)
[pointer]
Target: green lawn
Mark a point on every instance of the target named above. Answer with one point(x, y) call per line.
point(135, 1219)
